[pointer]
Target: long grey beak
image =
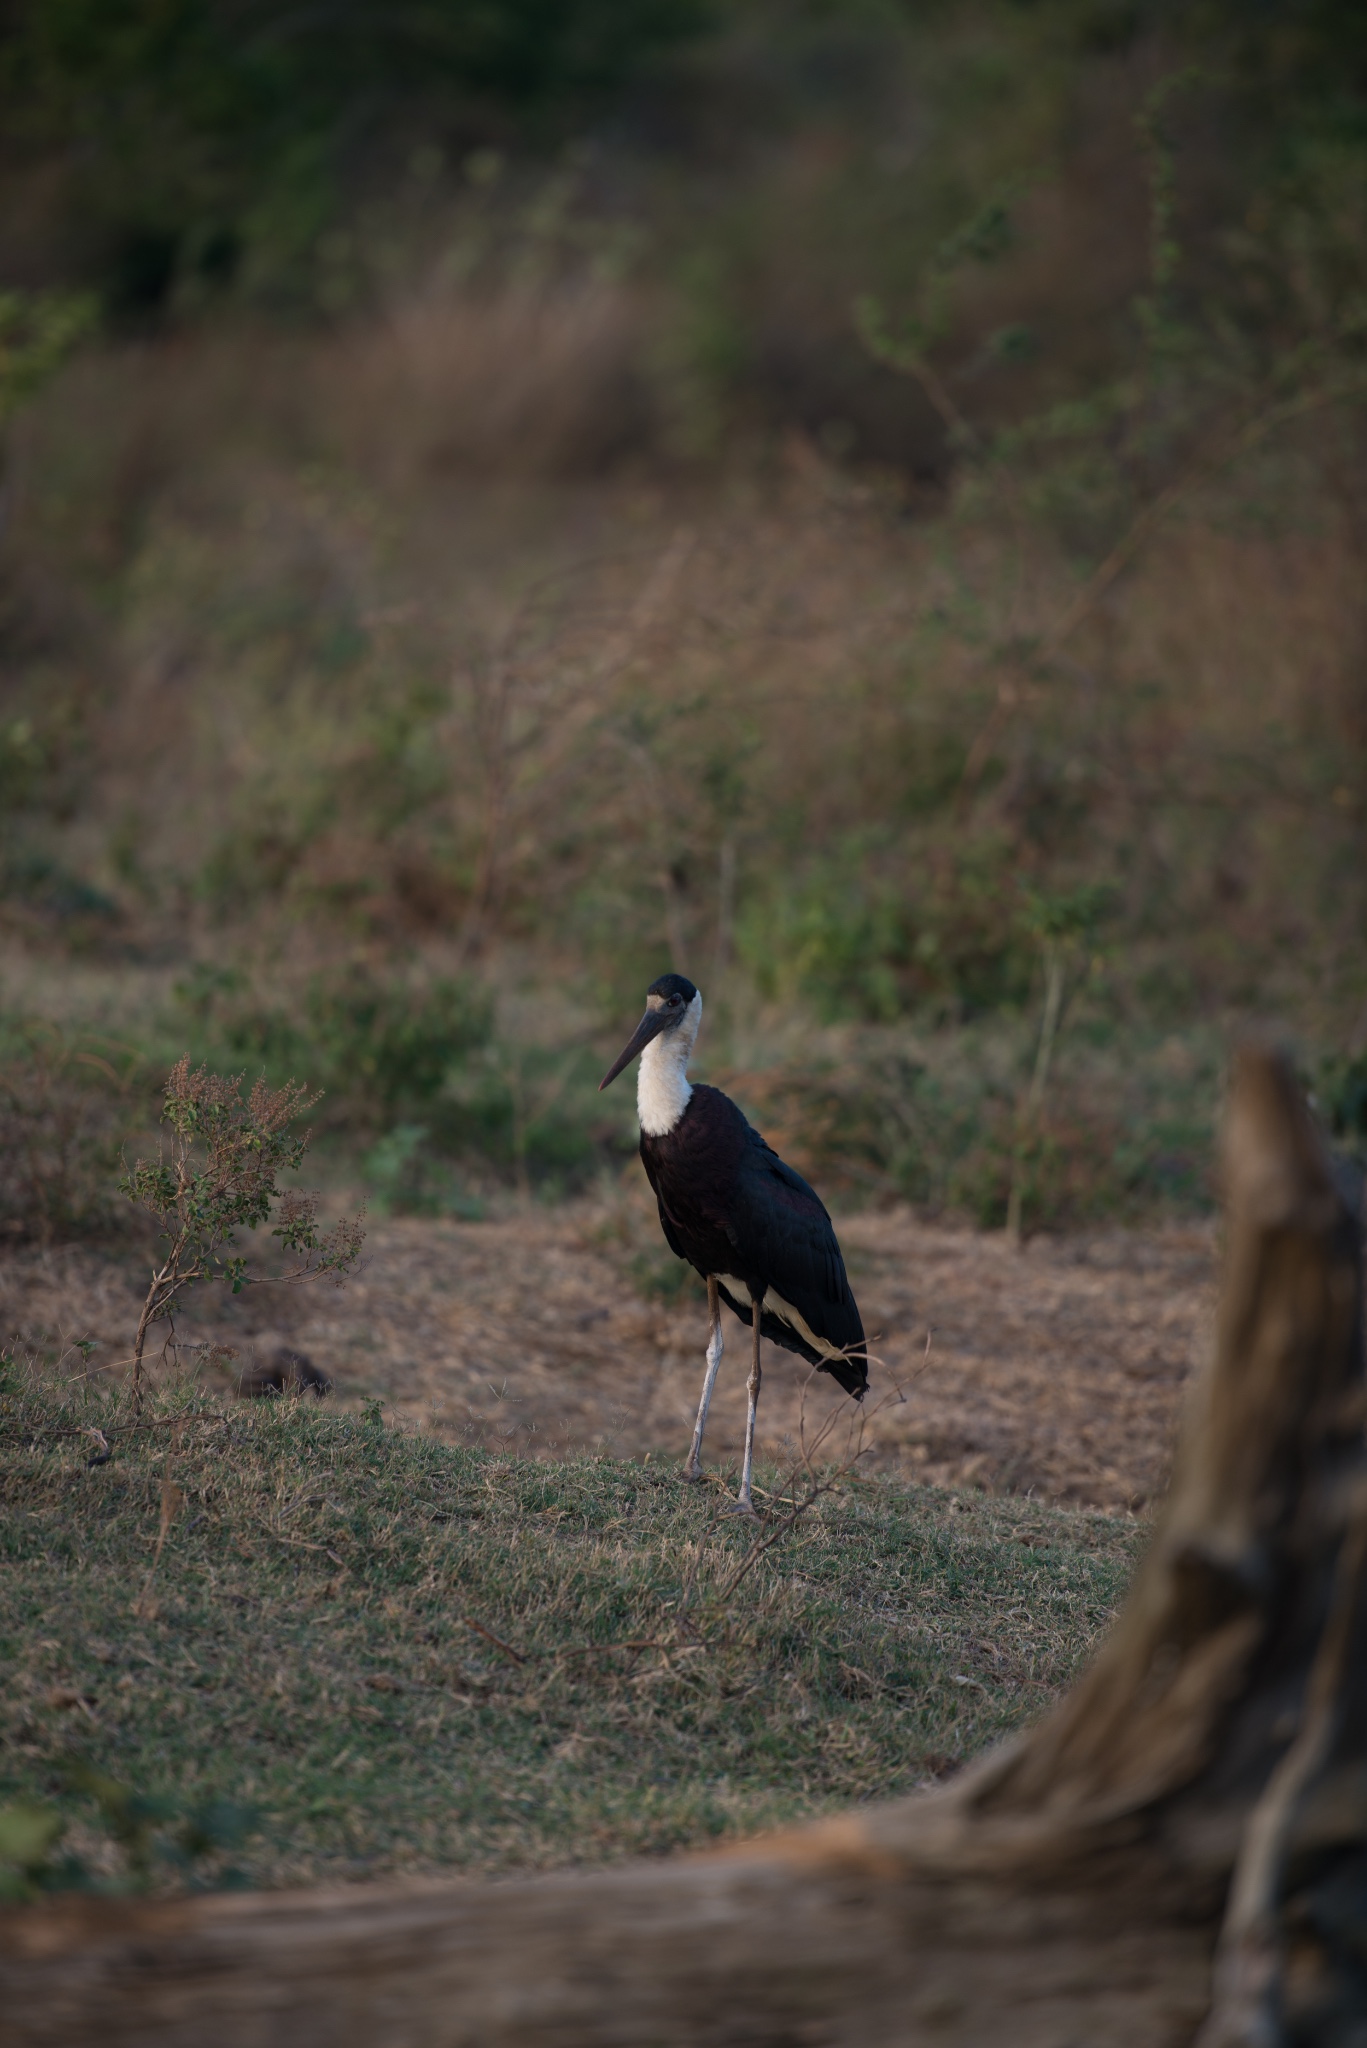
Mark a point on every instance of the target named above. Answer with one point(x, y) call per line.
point(650, 1026)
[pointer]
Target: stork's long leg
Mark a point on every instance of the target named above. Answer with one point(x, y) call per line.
point(693, 1469)
point(744, 1504)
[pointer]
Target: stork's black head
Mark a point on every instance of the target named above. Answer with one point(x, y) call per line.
point(674, 991)
point(667, 1002)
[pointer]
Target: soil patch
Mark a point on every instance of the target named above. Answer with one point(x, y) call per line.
point(1055, 1370)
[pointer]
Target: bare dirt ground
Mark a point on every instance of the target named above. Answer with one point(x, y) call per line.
point(1056, 1369)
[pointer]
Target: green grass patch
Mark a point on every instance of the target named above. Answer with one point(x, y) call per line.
point(406, 1656)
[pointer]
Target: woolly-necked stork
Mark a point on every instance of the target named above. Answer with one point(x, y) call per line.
point(752, 1227)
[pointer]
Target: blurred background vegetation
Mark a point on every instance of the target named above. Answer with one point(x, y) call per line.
point(864, 502)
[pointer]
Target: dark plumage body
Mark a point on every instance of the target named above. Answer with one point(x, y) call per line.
point(731, 1207)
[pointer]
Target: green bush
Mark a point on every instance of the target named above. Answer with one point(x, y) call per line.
point(416, 1069)
point(69, 1101)
point(935, 1118)
point(406, 1177)
point(877, 933)
point(377, 1046)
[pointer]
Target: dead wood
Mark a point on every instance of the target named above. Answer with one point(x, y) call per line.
point(1179, 1850)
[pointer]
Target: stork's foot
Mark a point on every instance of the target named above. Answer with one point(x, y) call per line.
point(744, 1507)
point(691, 1475)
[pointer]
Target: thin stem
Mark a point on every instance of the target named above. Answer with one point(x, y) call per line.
point(1034, 1101)
point(674, 925)
point(726, 904)
point(1053, 1004)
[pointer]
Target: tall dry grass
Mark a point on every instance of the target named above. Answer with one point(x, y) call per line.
point(360, 651)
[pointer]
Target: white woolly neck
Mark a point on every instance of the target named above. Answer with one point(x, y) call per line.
point(662, 1086)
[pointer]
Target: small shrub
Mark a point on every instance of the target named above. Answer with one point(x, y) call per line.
point(219, 1174)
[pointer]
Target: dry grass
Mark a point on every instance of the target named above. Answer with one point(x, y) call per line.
point(535, 381)
point(408, 1656)
point(369, 707)
point(559, 727)
point(1054, 1372)
point(363, 710)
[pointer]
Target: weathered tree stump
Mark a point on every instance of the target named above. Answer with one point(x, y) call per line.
point(1178, 1854)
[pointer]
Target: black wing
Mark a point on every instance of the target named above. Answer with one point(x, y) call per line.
point(672, 1237)
point(784, 1236)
